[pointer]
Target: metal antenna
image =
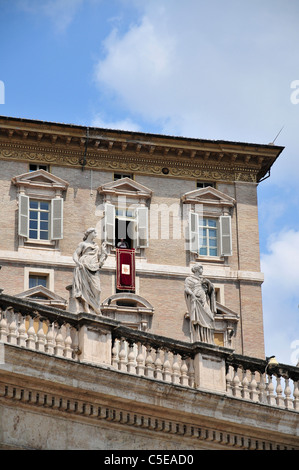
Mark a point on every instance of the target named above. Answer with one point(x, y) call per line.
point(272, 143)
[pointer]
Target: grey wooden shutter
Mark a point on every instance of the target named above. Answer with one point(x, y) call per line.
point(23, 215)
point(142, 227)
point(193, 232)
point(109, 224)
point(225, 235)
point(57, 219)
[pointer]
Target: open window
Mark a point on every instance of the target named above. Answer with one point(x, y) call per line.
point(126, 214)
point(210, 236)
point(210, 222)
point(40, 218)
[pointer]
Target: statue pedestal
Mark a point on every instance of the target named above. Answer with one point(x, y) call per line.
point(95, 345)
point(209, 372)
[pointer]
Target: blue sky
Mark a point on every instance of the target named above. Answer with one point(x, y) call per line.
point(205, 69)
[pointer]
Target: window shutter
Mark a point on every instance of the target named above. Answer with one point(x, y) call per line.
point(109, 224)
point(225, 235)
point(193, 232)
point(142, 227)
point(57, 219)
point(23, 215)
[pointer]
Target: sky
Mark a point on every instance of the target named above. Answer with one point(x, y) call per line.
point(208, 69)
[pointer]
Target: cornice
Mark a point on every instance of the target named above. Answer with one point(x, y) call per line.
point(151, 154)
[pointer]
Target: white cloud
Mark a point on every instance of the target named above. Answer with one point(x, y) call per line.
point(205, 70)
point(281, 296)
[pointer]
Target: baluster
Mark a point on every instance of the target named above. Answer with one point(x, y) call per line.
point(254, 396)
point(287, 392)
point(114, 353)
point(50, 344)
point(68, 352)
point(245, 386)
point(296, 395)
point(184, 371)
point(236, 384)
point(12, 329)
point(30, 341)
point(166, 368)
point(262, 389)
point(149, 362)
point(131, 366)
point(41, 337)
point(122, 365)
point(59, 343)
point(22, 331)
point(229, 381)
point(175, 376)
point(158, 365)
point(140, 360)
point(3, 327)
point(270, 389)
point(191, 373)
point(279, 397)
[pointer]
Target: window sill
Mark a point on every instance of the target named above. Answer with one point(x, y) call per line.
point(40, 244)
point(210, 259)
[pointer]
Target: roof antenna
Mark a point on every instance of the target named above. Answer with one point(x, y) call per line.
point(272, 143)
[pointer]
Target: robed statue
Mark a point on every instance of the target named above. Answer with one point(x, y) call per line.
point(201, 304)
point(89, 259)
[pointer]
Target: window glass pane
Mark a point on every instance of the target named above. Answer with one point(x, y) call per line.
point(212, 223)
point(203, 251)
point(33, 204)
point(213, 251)
point(33, 224)
point(33, 234)
point(44, 206)
point(44, 216)
point(212, 232)
point(213, 242)
point(43, 235)
point(33, 215)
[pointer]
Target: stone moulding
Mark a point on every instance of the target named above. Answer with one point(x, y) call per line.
point(97, 412)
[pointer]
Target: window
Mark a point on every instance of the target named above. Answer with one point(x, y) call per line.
point(37, 280)
point(40, 204)
point(204, 184)
point(40, 220)
point(39, 216)
point(129, 224)
point(118, 176)
point(208, 237)
point(34, 167)
point(125, 226)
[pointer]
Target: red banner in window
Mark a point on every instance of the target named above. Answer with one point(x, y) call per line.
point(125, 269)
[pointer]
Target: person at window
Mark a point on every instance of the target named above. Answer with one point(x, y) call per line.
point(122, 243)
point(86, 286)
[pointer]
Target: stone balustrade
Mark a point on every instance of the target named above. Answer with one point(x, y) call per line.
point(103, 342)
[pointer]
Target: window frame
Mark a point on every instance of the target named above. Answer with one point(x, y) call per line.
point(40, 185)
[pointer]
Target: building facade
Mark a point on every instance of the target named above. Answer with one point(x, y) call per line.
point(172, 202)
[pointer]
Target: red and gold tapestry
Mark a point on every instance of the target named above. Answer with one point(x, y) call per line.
point(125, 269)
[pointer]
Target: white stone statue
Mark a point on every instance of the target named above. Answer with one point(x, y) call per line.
point(86, 286)
point(201, 303)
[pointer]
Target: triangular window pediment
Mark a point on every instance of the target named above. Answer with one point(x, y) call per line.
point(40, 178)
point(208, 196)
point(125, 187)
point(41, 294)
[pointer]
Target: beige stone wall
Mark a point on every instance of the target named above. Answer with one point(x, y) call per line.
point(165, 293)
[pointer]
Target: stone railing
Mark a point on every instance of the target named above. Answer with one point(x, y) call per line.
point(107, 343)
